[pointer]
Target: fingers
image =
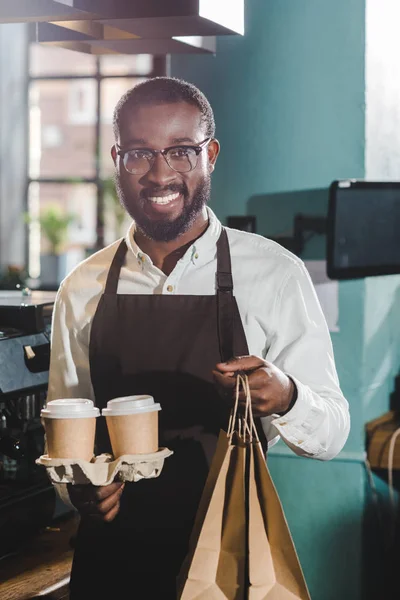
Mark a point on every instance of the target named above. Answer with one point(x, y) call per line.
point(98, 502)
point(104, 491)
point(259, 383)
point(109, 507)
point(241, 363)
point(271, 389)
point(110, 516)
point(257, 379)
point(227, 382)
point(256, 411)
point(259, 408)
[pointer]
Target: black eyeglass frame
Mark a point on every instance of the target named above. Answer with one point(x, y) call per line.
point(197, 148)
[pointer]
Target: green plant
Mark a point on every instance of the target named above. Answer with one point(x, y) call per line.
point(53, 225)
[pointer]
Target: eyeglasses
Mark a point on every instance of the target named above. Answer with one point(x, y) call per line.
point(181, 159)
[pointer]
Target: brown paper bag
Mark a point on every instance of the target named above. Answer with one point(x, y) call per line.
point(241, 547)
point(274, 569)
point(215, 566)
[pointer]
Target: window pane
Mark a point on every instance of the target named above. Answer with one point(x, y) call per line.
point(126, 64)
point(50, 60)
point(78, 201)
point(116, 219)
point(111, 92)
point(62, 128)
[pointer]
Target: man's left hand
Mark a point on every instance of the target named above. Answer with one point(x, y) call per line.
point(272, 391)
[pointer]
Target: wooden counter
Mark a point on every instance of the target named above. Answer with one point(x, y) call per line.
point(41, 568)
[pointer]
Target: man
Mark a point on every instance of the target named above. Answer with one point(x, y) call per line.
point(175, 310)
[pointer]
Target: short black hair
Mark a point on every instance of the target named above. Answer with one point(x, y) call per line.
point(165, 90)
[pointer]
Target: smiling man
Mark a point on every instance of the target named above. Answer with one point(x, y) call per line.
point(174, 310)
point(167, 197)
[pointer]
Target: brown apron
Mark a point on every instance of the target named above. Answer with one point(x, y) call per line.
point(165, 346)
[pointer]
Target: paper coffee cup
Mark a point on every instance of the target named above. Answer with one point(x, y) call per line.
point(132, 423)
point(70, 426)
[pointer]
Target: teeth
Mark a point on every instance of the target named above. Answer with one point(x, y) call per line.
point(163, 199)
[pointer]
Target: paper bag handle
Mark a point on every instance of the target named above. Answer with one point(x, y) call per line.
point(243, 424)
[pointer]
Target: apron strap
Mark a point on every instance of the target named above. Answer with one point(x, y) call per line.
point(226, 311)
point(115, 268)
point(225, 300)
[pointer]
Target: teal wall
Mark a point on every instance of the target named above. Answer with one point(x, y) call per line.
point(289, 102)
point(288, 99)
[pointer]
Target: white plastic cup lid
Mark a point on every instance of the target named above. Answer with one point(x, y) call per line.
point(130, 405)
point(70, 408)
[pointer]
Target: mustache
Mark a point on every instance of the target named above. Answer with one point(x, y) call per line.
point(170, 189)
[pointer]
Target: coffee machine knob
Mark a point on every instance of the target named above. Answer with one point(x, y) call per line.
point(11, 447)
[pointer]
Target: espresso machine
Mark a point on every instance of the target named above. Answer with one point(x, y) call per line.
point(27, 498)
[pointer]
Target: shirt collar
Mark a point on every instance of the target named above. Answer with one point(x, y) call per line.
point(198, 253)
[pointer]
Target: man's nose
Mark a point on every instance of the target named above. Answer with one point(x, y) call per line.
point(160, 173)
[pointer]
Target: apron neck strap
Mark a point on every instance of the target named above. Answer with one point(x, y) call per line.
point(115, 269)
point(225, 299)
point(224, 268)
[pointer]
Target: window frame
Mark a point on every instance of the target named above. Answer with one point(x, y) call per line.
point(160, 68)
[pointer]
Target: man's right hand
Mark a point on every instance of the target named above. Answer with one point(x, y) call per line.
point(100, 502)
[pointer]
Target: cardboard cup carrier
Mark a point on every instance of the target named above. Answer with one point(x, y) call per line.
point(132, 424)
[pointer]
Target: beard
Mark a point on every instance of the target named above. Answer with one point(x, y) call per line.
point(163, 230)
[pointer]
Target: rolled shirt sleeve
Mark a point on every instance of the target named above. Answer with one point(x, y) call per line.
point(69, 375)
point(318, 424)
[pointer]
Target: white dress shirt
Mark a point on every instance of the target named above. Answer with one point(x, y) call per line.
point(280, 312)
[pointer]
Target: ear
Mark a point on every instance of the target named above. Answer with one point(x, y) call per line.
point(114, 154)
point(213, 149)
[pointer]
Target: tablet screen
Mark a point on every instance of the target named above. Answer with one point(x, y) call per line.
point(363, 229)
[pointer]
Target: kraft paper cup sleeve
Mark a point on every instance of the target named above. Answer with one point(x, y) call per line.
point(103, 469)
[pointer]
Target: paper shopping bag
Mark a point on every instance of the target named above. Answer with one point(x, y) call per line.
point(274, 569)
point(215, 566)
point(241, 547)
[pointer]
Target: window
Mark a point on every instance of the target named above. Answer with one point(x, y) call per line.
point(71, 101)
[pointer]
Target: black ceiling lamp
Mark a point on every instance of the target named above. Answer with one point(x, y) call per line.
point(95, 38)
point(146, 18)
point(138, 46)
point(167, 18)
point(31, 11)
point(129, 26)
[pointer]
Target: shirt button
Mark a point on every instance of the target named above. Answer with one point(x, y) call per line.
point(196, 255)
point(170, 288)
